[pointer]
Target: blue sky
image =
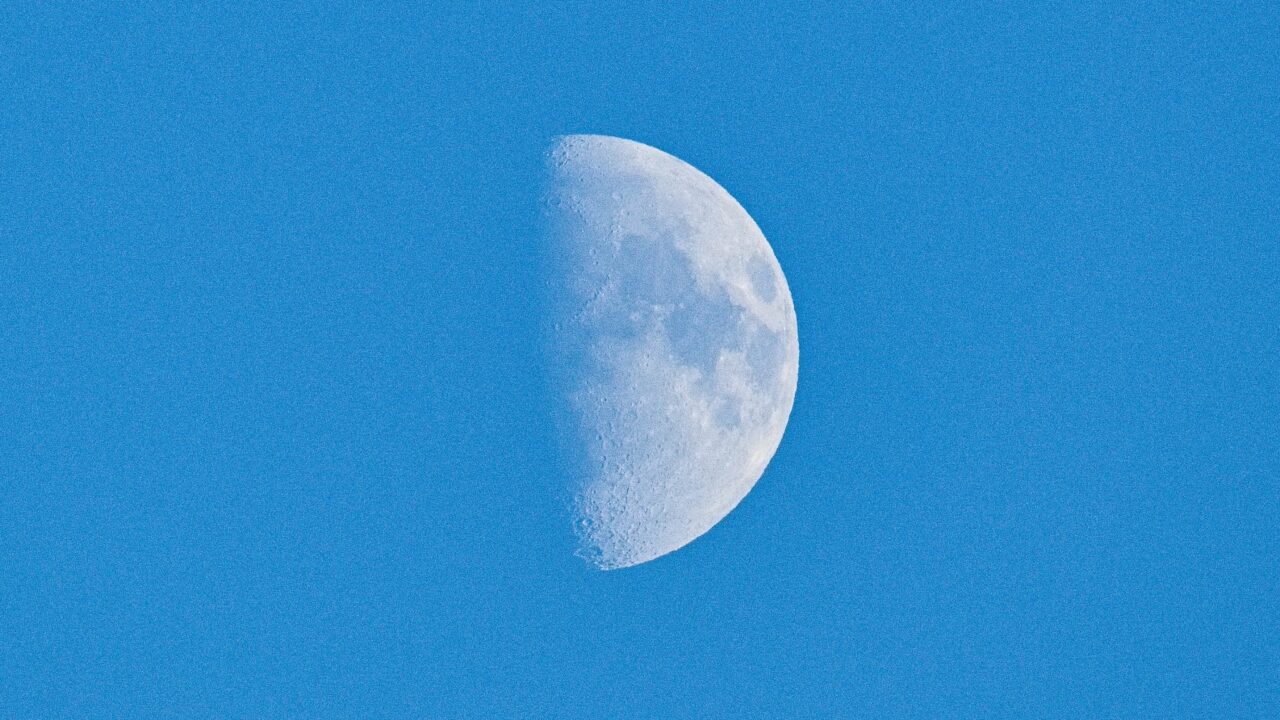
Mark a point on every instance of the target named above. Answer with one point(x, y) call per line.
point(273, 417)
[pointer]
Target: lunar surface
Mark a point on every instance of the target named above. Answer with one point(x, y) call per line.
point(677, 342)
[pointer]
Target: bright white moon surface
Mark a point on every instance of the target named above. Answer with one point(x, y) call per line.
point(677, 337)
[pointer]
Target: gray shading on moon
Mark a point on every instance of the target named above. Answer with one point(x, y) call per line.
point(677, 344)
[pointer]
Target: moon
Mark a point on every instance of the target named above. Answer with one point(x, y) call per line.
point(676, 344)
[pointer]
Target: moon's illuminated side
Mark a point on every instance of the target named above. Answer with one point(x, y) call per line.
point(678, 336)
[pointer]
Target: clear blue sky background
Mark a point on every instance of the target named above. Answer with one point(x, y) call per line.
point(273, 437)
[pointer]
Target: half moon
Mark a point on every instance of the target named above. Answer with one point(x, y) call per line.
point(677, 345)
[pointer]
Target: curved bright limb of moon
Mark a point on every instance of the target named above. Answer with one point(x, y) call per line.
point(678, 342)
